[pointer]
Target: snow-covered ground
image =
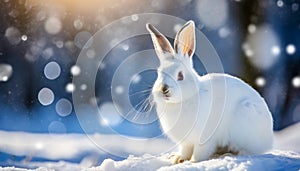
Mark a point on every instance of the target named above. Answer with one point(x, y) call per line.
point(275, 160)
point(148, 154)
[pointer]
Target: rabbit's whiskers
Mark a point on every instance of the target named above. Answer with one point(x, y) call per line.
point(142, 109)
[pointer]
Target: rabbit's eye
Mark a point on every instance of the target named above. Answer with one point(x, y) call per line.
point(180, 76)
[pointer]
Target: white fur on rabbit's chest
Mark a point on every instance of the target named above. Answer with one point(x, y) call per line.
point(181, 121)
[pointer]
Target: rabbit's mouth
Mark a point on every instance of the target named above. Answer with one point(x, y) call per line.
point(166, 96)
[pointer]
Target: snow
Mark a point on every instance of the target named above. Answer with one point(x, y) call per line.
point(6, 71)
point(70, 87)
point(82, 38)
point(295, 7)
point(212, 13)
point(277, 160)
point(288, 139)
point(91, 54)
point(290, 49)
point(83, 87)
point(78, 24)
point(13, 35)
point(109, 115)
point(134, 17)
point(52, 70)
point(257, 53)
point(275, 50)
point(224, 32)
point(47, 53)
point(20, 169)
point(53, 25)
point(280, 3)
point(24, 37)
point(260, 81)
point(146, 162)
point(46, 96)
point(251, 28)
point(63, 107)
point(75, 70)
point(145, 155)
point(296, 81)
point(53, 128)
point(119, 89)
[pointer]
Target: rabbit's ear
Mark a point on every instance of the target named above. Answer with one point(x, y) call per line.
point(161, 44)
point(184, 43)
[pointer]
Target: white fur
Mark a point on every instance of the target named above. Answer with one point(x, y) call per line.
point(203, 113)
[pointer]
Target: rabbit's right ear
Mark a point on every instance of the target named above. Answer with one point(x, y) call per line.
point(162, 46)
point(184, 43)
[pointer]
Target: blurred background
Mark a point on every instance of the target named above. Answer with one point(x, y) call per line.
point(257, 40)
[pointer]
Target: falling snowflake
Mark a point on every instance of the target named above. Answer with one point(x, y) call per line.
point(125, 47)
point(251, 28)
point(5, 72)
point(59, 44)
point(41, 15)
point(47, 53)
point(75, 70)
point(82, 38)
point(52, 70)
point(13, 35)
point(290, 49)
point(57, 127)
point(136, 79)
point(113, 42)
point(260, 81)
point(275, 50)
point(109, 114)
point(102, 66)
point(119, 89)
point(177, 27)
point(104, 122)
point(134, 17)
point(46, 96)
point(70, 87)
point(295, 7)
point(213, 13)
point(261, 54)
point(24, 38)
point(247, 50)
point(296, 82)
point(94, 100)
point(91, 53)
point(83, 87)
point(224, 32)
point(53, 25)
point(279, 3)
point(63, 107)
point(78, 24)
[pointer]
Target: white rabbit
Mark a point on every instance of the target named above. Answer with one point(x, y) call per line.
point(205, 115)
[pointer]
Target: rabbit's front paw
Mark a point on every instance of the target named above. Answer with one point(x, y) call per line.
point(176, 158)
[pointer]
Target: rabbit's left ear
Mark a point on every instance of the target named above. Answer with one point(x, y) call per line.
point(184, 43)
point(161, 44)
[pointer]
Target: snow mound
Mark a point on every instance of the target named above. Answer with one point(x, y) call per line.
point(146, 162)
point(275, 160)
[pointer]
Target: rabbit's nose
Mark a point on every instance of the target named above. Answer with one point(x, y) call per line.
point(165, 89)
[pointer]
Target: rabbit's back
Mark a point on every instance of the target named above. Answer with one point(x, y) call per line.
point(246, 123)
